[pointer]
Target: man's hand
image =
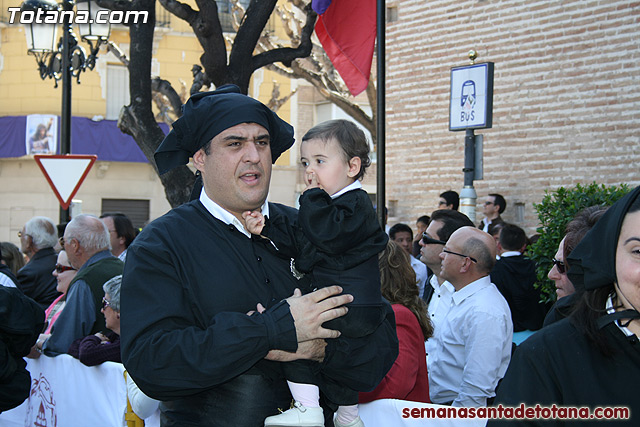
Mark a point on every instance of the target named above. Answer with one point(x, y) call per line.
point(310, 311)
point(311, 350)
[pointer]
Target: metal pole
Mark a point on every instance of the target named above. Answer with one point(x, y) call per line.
point(380, 108)
point(468, 193)
point(65, 115)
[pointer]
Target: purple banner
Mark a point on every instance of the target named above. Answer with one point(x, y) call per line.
point(102, 138)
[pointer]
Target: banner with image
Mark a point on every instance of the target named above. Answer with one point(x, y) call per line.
point(41, 134)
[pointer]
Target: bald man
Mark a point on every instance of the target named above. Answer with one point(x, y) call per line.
point(473, 343)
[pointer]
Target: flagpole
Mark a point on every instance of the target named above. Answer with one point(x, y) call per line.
point(380, 108)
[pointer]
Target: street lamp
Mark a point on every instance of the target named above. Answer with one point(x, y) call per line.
point(68, 59)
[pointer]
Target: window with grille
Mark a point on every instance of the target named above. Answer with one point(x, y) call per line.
point(136, 209)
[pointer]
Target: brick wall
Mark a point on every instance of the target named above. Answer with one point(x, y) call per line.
point(566, 99)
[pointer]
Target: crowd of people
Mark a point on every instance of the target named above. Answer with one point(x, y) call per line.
point(234, 308)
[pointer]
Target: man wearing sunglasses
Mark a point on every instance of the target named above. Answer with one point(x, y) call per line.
point(473, 342)
point(493, 206)
point(438, 292)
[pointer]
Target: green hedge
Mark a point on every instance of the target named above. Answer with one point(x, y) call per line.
point(554, 212)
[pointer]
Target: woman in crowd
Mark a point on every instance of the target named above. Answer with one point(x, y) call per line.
point(407, 378)
point(591, 358)
point(96, 349)
point(12, 257)
point(64, 274)
point(575, 231)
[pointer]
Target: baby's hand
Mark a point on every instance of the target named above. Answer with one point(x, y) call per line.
point(312, 181)
point(253, 221)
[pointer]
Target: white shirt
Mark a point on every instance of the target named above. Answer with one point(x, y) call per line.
point(421, 274)
point(610, 310)
point(353, 186)
point(225, 216)
point(5, 281)
point(507, 254)
point(438, 308)
point(472, 346)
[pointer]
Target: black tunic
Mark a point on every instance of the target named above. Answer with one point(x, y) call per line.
point(558, 365)
point(339, 239)
point(189, 281)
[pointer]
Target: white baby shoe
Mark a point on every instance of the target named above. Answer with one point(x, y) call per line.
point(298, 416)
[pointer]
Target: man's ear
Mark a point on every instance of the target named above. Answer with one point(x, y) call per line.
point(354, 167)
point(198, 159)
point(466, 266)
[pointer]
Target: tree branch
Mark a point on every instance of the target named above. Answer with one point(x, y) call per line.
point(165, 88)
point(118, 53)
point(115, 4)
point(254, 21)
point(286, 54)
point(179, 9)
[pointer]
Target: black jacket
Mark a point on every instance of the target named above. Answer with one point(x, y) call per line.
point(21, 321)
point(515, 277)
point(36, 280)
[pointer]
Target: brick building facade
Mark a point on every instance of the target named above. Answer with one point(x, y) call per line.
point(566, 99)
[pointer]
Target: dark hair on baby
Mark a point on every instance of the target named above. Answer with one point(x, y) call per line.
point(351, 138)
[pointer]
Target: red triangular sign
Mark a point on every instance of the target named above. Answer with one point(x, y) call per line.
point(65, 174)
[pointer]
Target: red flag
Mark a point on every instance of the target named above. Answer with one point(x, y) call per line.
point(347, 31)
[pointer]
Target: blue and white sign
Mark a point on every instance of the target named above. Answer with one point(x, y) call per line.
point(471, 100)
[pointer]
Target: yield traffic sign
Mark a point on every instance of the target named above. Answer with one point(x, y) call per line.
point(65, 174)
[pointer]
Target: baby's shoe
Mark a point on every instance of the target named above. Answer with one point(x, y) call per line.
point(298, 416)
point(355, 423)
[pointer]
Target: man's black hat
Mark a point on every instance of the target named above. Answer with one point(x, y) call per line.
point(206, 114)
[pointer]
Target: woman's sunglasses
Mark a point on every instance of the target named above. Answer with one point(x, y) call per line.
point(560, 266)
point(62, 268)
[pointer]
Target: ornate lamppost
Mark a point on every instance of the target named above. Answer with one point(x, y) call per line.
point(67, 59)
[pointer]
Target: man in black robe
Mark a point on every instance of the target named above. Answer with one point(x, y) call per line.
point(192, 276)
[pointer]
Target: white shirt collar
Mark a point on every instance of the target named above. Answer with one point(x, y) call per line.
point(611, 310)
point(437, 286)
point(510, 253)
point(354, 186)
point(225, 216)
point(470, 289)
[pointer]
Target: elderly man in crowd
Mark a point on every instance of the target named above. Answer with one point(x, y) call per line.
point(37, 239)
point(473, 342)
point(86, 242)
